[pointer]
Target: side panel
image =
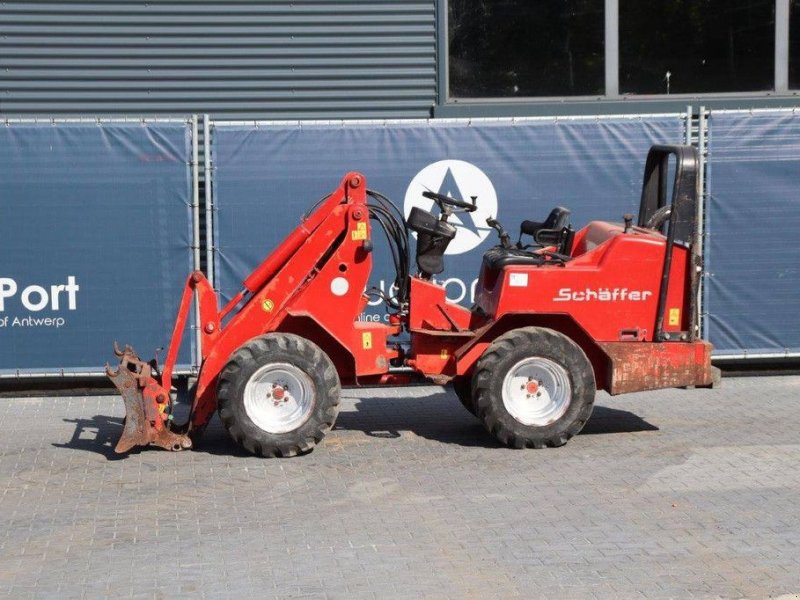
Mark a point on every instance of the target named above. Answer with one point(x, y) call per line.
point(95, 223)
point(611, 292)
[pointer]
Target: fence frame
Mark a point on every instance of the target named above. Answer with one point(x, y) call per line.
point(191, 121)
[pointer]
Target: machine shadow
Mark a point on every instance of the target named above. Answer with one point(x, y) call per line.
point(439, 417)
point(99, 434)
point(614, 420)
point(106, 431)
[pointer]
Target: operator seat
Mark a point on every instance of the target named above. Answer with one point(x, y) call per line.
point(553, 231)
point(550, 231)
point(433, 237)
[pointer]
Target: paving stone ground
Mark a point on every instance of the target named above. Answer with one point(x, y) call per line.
point(669, 494)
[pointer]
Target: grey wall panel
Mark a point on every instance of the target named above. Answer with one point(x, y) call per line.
point(752, 219)
point(300, 60)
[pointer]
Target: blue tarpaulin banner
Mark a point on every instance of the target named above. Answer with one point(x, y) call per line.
point(95, 241)
point(266, 176)
point(752, 220)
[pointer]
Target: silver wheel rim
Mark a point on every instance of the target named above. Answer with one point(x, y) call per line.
point(537, 391)
point(279, 398)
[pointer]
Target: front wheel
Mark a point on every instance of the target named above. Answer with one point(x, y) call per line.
point(533, 387)
point(278, 395)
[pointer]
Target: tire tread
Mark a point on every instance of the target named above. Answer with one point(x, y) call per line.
point(489, 406)
point(233, 378)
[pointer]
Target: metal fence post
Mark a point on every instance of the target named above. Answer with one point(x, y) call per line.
point(196, 231)
point(702, 123)
point(209, 203)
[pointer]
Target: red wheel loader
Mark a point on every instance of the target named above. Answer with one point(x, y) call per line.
point(557, 315)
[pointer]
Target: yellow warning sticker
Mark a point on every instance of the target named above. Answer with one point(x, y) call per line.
point(267, 305)
point(360, 232)
point(366, 340)
point(674, 316)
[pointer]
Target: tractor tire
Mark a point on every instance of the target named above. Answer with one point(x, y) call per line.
point(278, 395)
point(462, 386)
point(533, 387)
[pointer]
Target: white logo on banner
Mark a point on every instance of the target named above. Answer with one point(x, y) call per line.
point(460, 180)
point(36, 298)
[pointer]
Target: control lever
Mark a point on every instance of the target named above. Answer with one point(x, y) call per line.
point(505, 239)
point(628, 218)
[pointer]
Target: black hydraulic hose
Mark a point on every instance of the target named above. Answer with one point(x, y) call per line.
point(386, 202)
point(390, 206)
point(387, 229)
point(396, 234)
point(399, 254)
point(396, 229)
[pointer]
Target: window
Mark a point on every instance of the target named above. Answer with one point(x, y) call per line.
point(518, 48)
point(557, 48)
point(696, 46)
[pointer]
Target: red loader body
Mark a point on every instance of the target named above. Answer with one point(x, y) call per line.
point(611, 306)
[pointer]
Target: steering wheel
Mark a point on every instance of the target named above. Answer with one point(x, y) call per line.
point(448, 200)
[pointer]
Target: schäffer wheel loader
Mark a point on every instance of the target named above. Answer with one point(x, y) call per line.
point(557, 315)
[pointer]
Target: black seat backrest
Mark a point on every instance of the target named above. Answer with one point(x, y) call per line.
point(557, 219)
point(550, 231)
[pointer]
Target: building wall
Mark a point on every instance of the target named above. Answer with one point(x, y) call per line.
point(300, 59)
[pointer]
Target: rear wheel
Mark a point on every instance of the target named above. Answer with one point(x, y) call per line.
point(533, 387)
point(278, 395)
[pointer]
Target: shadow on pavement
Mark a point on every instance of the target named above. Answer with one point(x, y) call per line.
point(439, 417)
point(106, 431)
point(613, 420)
point(99, 434)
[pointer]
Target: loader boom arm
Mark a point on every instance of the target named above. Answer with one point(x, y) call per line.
point(256, 309)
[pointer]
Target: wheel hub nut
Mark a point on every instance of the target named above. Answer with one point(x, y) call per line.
point(532, 387)
point(278, 393)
